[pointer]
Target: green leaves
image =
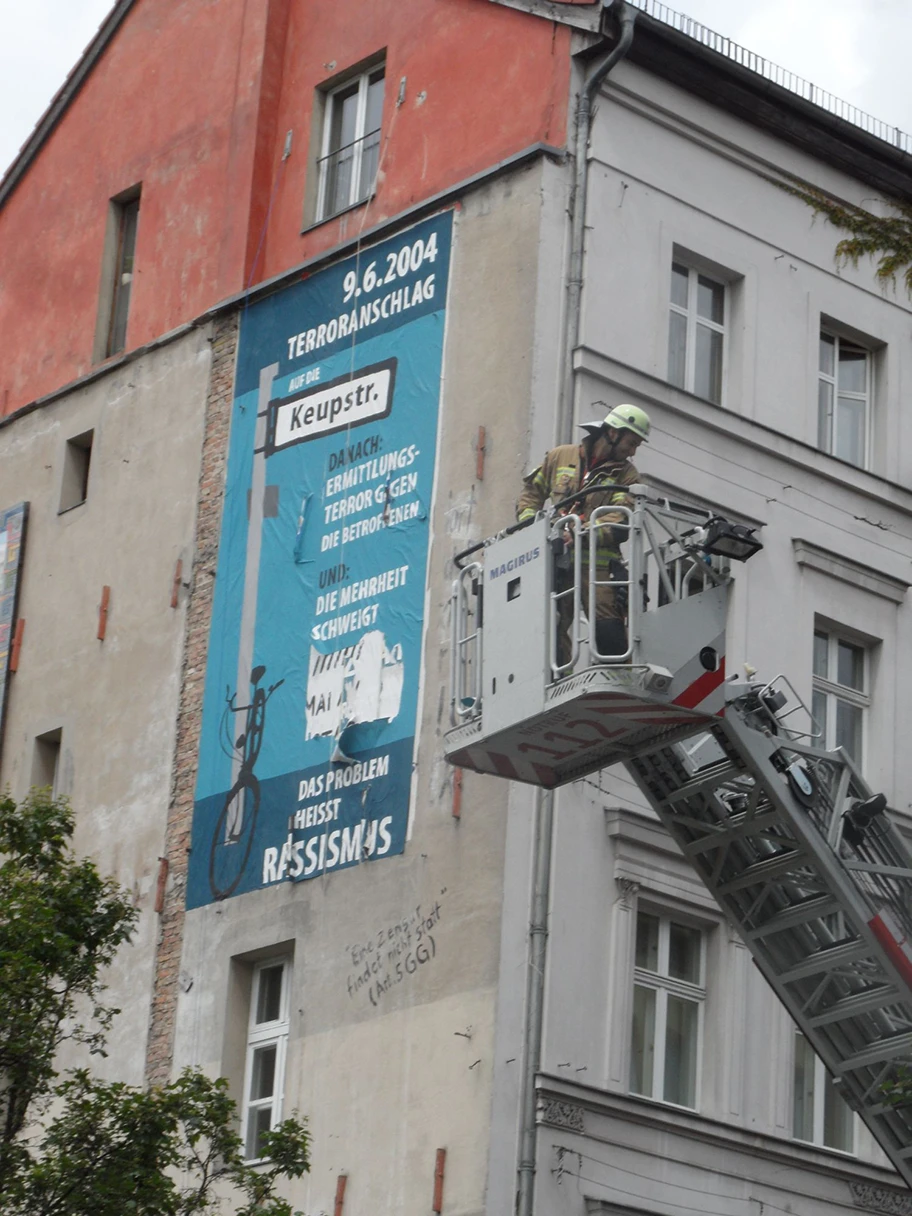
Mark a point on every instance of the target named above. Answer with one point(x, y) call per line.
point(60, 924)
point(885, 238)
point(108, 1149)
point(169, 1151)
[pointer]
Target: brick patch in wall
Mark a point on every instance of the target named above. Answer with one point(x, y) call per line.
point(160, 1046)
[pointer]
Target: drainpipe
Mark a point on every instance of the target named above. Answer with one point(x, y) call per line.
point(594, 74)
point(535, 993)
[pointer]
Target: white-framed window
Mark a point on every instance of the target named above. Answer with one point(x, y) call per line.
point(845, 382)
point(351, 142)
point(668, 997)
point(841, 691)
point(267, 1042)
point(820, 1115)
point(696, 331)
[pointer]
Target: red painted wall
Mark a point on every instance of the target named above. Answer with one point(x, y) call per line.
point(193, 98)
point(482, 82)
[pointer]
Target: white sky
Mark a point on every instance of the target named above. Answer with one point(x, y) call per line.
point(856, 49)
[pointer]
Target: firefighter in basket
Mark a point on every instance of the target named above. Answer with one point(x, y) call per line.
point(602, 459)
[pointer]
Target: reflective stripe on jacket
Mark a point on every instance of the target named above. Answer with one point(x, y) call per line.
point(561, 473)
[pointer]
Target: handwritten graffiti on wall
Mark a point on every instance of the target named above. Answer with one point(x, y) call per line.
point(394, 954)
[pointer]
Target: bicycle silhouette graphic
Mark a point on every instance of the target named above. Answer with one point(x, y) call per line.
point(232, 839)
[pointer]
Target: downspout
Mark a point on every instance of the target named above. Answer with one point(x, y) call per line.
point(595, 73)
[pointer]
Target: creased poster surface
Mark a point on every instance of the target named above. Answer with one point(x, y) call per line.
point(313, 670)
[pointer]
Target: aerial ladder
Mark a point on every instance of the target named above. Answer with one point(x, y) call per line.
point(799, 853)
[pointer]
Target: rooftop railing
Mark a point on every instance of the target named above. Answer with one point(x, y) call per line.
point(772, 72)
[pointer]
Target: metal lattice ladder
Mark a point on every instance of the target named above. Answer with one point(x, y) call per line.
point(811, 871)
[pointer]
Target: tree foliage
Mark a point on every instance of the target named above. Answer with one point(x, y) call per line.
point(76, 1145)
point(885, 238)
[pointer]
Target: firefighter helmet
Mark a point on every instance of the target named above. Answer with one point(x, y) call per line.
point(624, 417)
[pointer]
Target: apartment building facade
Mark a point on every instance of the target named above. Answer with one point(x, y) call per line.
point(336, 366)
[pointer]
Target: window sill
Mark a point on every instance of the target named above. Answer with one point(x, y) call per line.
point(846, 1153)
point(75, 507)
point(363, 202)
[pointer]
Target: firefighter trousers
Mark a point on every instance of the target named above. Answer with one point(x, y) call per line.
point(610, 616)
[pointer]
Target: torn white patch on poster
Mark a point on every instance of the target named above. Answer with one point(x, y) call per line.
point(357, 684)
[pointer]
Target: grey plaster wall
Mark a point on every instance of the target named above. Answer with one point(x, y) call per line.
point(114, 701)
point(673, 177)
point(390, 1069)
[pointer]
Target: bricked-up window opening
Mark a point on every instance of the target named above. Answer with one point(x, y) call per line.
point(820, 1114)
point(668, 997)
point(841, 694)
point(127, 222)
point(845, 383)
point(77, 458)
point(267, 1041)
point(351, 142)
point(46, 761)
point(696, 332)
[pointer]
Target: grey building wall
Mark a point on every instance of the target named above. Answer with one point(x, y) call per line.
point(114, 701)
point(386, 1077)
point(674, 178)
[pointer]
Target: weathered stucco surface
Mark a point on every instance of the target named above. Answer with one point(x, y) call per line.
point(114, 701)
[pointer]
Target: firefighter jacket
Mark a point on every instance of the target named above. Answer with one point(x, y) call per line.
point(564, 470)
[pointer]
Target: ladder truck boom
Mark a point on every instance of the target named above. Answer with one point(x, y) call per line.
point(799, 853)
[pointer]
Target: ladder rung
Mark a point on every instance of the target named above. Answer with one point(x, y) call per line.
point(697, 785)
point(884, 1049)
point(763, 871)
point(859, 1003)
point(827, 960)
point(809, 909)
point(736, 828)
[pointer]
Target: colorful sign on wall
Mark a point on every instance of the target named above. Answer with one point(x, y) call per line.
point(313, 670)
point(12, 546)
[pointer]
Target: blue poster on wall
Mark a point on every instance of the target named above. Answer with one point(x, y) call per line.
point(314, 661)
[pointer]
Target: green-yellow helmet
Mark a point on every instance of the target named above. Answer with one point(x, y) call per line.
point(624, 417)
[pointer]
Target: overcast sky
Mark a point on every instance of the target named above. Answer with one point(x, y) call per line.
point(856, 49)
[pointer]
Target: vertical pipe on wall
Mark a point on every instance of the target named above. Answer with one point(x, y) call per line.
point(595, 72)
point(341, 1182)
point(439, 1167)
point(103, 613)
point(593, 75)
point(535, 993)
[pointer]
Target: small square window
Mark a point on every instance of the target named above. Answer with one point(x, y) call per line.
point(46, 761)
point(350, 153)
point(77, 457)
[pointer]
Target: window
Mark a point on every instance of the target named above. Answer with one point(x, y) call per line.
point(351, 142)
point(267, 1039)
point(820, 1114)
point(46, 761)
point(840, 692)
point(696, 332)
point(77, 457)
point(126, 219)
point(668, 997)
point(844, 385)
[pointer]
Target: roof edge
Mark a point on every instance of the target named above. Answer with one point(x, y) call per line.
point(60, 102)
point(763, 103)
